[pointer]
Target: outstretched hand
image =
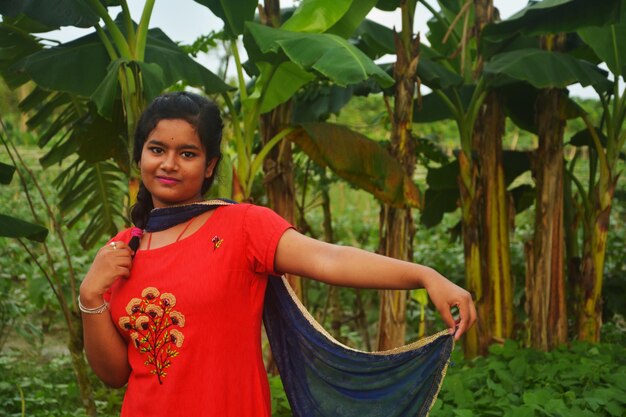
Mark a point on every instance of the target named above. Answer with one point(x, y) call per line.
point(445, 295)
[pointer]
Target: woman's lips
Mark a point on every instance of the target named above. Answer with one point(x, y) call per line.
point(167, 181)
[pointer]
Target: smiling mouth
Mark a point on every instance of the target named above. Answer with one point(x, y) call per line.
point(167, 181)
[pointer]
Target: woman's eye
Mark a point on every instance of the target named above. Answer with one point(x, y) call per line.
point(155, 149)
point(188, 154)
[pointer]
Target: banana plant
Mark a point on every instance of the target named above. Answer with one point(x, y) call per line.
point(90, 110)
point(475, 106)
point(609, 44)
point(283, 60)
point(550, 70)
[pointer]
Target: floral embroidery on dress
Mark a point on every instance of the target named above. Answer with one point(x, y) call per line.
point(153, 326)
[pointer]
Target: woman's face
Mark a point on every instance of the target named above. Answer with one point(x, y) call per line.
point(173, 163)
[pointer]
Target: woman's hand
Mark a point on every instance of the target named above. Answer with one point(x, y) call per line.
point(444, 294)
point(111, 262)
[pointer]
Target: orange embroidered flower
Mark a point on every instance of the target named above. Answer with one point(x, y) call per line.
point(154, 310)
point(168, 299)
point(177, 319)
point(124, 323)
point(177, 338)
point(142, 323)
point(150, 293)
point(133, 306)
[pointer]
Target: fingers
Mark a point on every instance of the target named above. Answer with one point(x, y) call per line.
point(446, 315)
point(119, 247)
point(467, 313)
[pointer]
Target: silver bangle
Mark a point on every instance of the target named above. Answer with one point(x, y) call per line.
point(101, 309)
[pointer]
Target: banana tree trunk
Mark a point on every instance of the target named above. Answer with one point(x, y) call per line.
point(484, 206)
point(545, 287)
point(598, 217)
point(594, 252)
point(479, 336)
point(397, 229)
point(494, 218)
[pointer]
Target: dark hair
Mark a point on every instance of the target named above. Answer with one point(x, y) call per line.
point(196, 110)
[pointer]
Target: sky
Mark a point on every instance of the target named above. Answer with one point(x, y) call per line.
point(184, 20)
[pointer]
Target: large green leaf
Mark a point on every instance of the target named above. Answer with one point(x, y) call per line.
point(388, 5)
point(554, 16)
point(358, 160)
point(436, 204)
point(316, 102)
point(105, 94)
point(520, 99)
point(584, 138)
point(76, 67)
point(515, 163)
point(442, 194)
point(317, 16)
point(177, 65)
point(95, 188)
point(374, 39)
point(15, 44)
point(329, 55)
point(339, 17)
point(16, 228)
point(6, 173)
point(438, 28)
point(433, 107)
point(436, 76)
point(233, 13)
point(523, 197)
point(99, 139)
point(543, 69)
point(52, 13)
point(609, 43)
point(275, 85)
point(351, 20)
point(57, 69)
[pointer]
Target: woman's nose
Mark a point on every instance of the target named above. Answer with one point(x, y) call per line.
point(169, 162)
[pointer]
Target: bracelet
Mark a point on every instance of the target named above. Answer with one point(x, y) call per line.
point(101, 309)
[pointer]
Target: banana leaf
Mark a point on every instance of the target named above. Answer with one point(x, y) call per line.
point(329, 55)
point(359, 160)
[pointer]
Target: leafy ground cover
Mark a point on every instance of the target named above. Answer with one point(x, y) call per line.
point(583, 380)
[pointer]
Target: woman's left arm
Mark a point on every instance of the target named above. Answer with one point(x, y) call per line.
point(351, 267)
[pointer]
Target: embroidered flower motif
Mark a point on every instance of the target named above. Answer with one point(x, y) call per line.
point(124, 323)
point(177, 319)
point(151, 325)
point(177, 338)
point(154, 310)
point(133, 306)
point(142, 323)
point(168, 299)
point(217, 242)
point(150, 293)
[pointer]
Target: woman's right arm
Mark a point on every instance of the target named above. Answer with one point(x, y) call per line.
point(106, 349)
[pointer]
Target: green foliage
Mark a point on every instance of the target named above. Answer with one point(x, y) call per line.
point(280, 404)
point(584, 380)
point(47, 388)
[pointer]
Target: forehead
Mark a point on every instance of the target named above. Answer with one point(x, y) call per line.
point(175, 130)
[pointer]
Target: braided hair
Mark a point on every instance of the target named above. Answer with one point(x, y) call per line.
point(196, 110)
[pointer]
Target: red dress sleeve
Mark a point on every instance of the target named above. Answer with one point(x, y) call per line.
point(263, 229)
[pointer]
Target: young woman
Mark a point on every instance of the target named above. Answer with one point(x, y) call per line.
point(177, 317)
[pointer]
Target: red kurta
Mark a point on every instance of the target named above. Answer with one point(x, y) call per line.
point(191, 314)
